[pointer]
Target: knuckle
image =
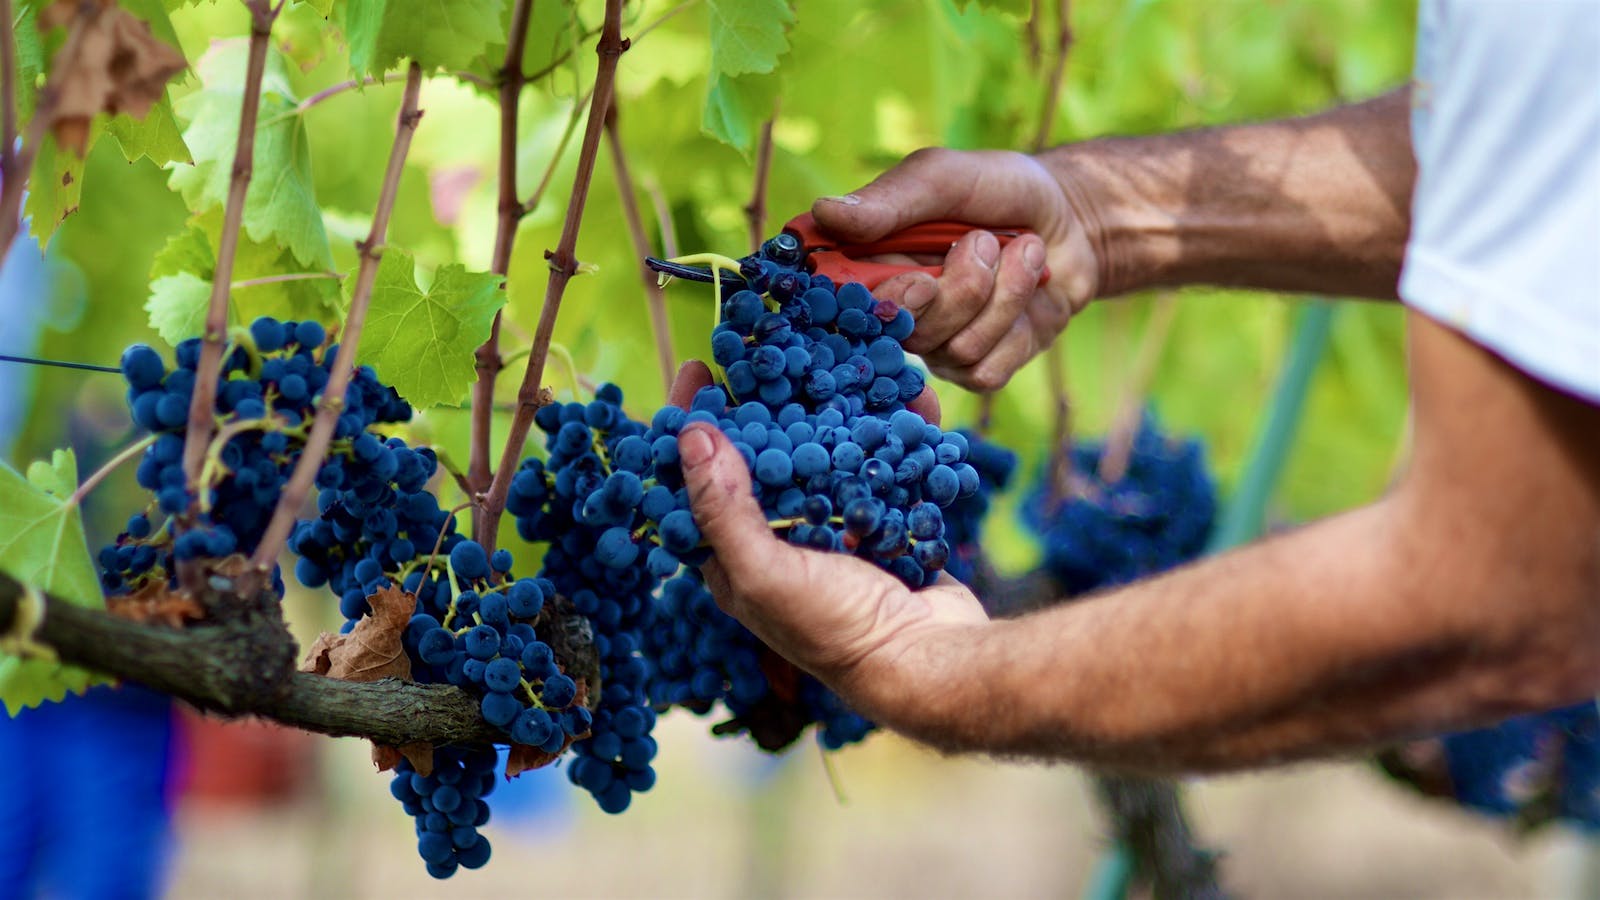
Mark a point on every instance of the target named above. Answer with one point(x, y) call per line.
point(929, 156)
point(988, 379)
point(965, 349)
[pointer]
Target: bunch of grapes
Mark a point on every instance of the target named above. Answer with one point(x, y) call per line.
point(271, 374)
point(449, 807)
point(1540, 767)
point(963, 521)
point(813, 394)
point(584, 500)
point(375, 518)
point(1156, 516)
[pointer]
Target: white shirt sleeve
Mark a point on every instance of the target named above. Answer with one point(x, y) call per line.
point(1505, 224)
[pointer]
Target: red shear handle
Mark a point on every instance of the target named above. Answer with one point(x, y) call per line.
point(842, 261)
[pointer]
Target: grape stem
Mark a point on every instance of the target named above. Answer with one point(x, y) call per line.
point(332, 402)
point(664, 220)
point(531, 395)
point(1125, 425)
point(509, 213)
point(755, 212)
point(203, 402)
point(280, 279)
point(110, 466)
point(655, 299)
point(1062, 481)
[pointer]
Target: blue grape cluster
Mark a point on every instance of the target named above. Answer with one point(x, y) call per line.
point(375, 517)
point(265, 399)
point(479, 633)
point(963, 521)
point(1157, 516)
point(449, 807)
point(1542, 766)
point(813, 395)
point(874, 487)
point(824, 349)
point(585, 500)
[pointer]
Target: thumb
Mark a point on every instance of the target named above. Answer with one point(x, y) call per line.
point(726, 511)
point(982, 187)
point(928, 184)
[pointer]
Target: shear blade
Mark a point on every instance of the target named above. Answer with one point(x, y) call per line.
point(679, 270)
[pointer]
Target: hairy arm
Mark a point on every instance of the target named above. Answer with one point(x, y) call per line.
point(1320, 203)
point(1317, 203)
point(1470, 593)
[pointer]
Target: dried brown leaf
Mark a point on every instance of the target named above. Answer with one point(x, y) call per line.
point(418, 753)
point(525, 758)
point(155, 604)
point(111, 63)
point(372, 650)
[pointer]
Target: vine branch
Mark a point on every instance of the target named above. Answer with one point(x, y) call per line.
point(244, 664)
point(1058, 70)
point(654, 296)
point(202, 404)
point(509, 215)
point(332, 403)
point(563, 265)
point(8, 86)
point(755, 212)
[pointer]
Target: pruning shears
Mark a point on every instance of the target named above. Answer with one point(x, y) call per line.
point(804, 244)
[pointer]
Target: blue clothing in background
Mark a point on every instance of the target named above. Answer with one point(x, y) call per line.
point(85, 811)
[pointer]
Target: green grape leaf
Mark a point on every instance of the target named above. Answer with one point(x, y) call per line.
point(736, 107)
point(281, 204)
point(177, 306)
point(447, 34)
point(182, 272)
point(56, 185)
point(30, 60)
point(156, 136)
point(747, 35)
point(421, 339)
point(42, 545)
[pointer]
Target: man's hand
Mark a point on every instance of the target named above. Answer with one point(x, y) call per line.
point(827, 613)
point(987, 315)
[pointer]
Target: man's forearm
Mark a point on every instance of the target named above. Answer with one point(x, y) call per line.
point(1314, 204)
point(1470, 593)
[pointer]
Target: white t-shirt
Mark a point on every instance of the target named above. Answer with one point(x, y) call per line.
point(1505, 221)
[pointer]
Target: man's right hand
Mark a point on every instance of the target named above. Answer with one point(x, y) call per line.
point(987, 315)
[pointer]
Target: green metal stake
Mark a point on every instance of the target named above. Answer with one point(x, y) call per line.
point(1245, 513)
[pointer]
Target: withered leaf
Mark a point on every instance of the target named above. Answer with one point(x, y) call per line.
point(111, 63)
point(418, 753)
point(155, 604)
point(525, 758)
point(372, 650)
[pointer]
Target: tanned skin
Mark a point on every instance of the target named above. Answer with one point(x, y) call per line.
point(1469, 593)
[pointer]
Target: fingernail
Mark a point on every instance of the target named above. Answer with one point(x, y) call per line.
point(918, 295)
point(694, 447)
point(988, 249)
point(1033, 255)
point(846, 199)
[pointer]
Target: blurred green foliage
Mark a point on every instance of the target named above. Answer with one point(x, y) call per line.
point(860, 85)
